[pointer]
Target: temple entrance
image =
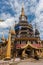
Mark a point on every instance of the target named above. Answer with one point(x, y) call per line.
point(19, 53)
point(28, 52)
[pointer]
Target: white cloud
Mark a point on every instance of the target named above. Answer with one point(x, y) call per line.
point(16, 6)
point(31, 6)
point(39, 17)
point(5, 16)
point(8, 20)
point(39, 7)
point(7, 23)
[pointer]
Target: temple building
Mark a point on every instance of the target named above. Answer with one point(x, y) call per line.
point(22, 40)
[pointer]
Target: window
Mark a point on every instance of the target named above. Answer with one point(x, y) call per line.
point(23, 32)
point(23, 42)
point(18, 42)
point(24, 28)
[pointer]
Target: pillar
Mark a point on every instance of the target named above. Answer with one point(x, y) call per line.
point(23, 53)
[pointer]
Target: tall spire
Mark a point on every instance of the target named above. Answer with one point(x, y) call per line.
point(12, 31)
point(35, 25)
point(22, 11)
point(3, 36)
point(8, 52)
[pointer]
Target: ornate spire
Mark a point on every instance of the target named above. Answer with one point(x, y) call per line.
point(36, 31)
point(3, 36)
point(8, 52)
point(22, 11)
point(35, 25)
point(12, 31)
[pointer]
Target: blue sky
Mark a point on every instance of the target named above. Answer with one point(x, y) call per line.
point(10, 11)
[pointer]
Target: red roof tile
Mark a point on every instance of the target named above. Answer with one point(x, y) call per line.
point(20, 45)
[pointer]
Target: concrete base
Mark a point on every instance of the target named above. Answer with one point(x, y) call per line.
point(7, 59)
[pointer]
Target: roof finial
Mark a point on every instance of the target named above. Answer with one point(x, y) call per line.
point(35, 25)
point(22, 12)
point(22, 5)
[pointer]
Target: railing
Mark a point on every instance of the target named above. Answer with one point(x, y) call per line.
point(26, 35)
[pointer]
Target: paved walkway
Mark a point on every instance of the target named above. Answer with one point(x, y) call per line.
point(23, 62)
point(29, 63)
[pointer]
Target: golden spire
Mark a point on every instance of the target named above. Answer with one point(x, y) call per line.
point(22, 11)
point(8, 52)
point(12, 31)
